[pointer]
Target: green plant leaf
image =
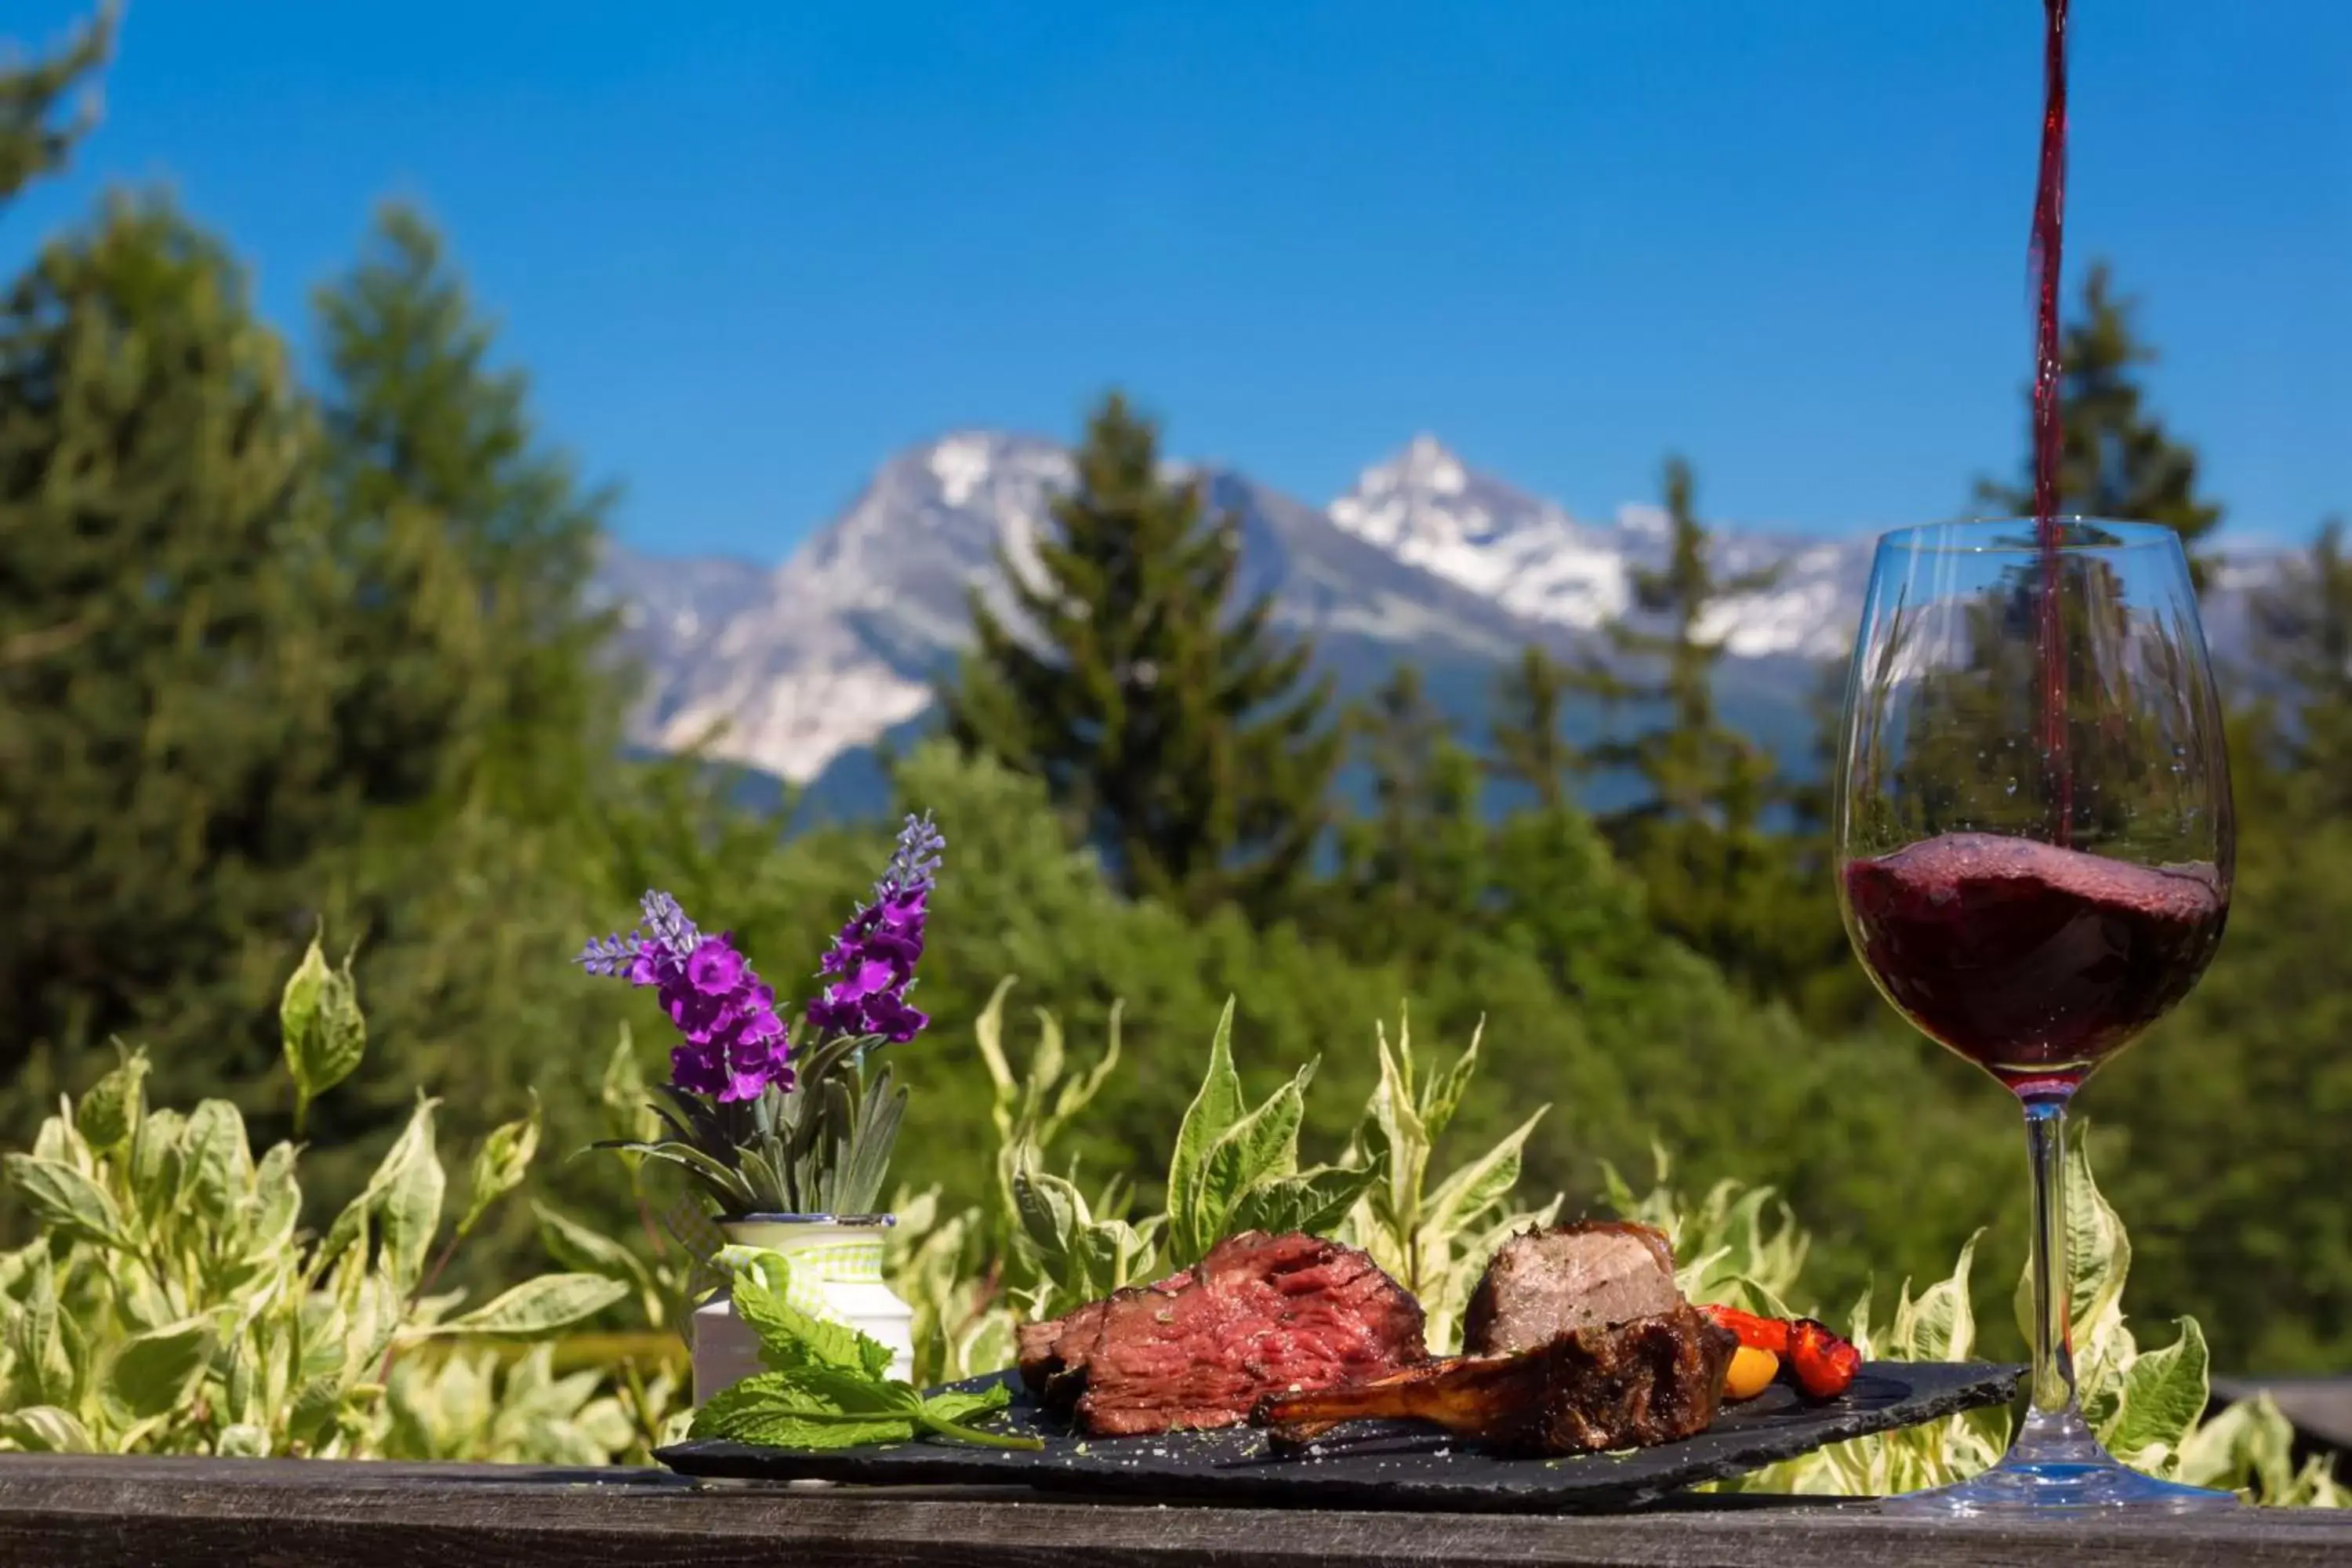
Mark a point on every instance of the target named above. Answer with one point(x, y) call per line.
point(1943, 1321)
point(111, 1110)
point(36, 1343)
point(578, 1246)
point(316, 1404)
point(538, 1306)
point(1262, 1146)
point(408, 1179)
point(405, 1196)
point(46, 1429)
point(1079, 1093)
point(2164, 1394)
point(219, 1160)
point(1314, 1202)
point(988, 1034)
point(157, 1371)
point(157, 1164)
point(733, 1193)
point(1465, 1198)
point(628, 1113)
point(810, 1408)
point(1393, 1125)
point(277, 1202)
point(501, 1165)
point(320, 1026)
point(1446, 1091)
point(1214, 1109)
point(243, 1440)
point(1051, 1211)
point(65, 1200)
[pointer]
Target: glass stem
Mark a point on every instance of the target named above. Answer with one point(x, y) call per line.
point(2053, 1336)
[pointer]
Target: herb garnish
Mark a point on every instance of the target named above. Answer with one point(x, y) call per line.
point(826, 1385)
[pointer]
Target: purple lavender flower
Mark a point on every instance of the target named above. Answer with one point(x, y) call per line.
point(734, 1043)
point(875, 955)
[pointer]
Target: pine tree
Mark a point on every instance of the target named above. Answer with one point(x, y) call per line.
point(1693, 767)
point(34, 139)
point(1181, 739)
point(1696, 837)
point(471, 545)
point(1413, 868)
point(2302, 639)
point(1530, 750)
point(2116, 458)
point(167, 776)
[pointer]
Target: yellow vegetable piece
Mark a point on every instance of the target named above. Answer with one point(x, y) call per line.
point(1751, 1372)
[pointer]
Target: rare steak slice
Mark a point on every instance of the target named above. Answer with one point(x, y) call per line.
point(1636, 1385)
point(1543, 1283)
point(1260, 1314)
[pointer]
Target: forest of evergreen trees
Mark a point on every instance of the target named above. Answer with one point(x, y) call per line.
point(281, 650)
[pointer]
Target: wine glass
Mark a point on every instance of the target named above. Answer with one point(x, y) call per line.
point(2033, 851)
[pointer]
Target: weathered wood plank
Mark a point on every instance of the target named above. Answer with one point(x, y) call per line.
point(182, 1513)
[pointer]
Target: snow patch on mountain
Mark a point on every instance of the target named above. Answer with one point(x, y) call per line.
point(1429, 510)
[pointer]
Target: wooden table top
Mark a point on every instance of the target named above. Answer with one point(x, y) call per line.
point(77, 1512)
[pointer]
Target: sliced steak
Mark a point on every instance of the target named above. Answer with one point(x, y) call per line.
point(1541, 1284)
point(1654, 1380)
point(1260, 1314)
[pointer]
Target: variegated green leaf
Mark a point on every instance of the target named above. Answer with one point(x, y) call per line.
point(322, 1028)
point(45, 1429)
point(110, 1111)
point(155, 1371)
point(501, 1165)
point(2164, 1394)
point(540, 1306)
point(1214, 1109)
point(65, 1200)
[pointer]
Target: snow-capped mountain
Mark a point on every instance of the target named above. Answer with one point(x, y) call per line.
point(1426, 507)
point(802, 668)
point(788, 670)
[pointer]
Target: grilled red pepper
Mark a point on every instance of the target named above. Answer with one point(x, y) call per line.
point(1757, 1334)
point(1822, 1365)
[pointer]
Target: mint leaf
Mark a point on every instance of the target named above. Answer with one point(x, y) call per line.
point(810, 1408)
point(789, 1338)
point(963, 1406)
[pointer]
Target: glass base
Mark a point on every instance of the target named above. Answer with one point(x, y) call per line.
point(2057, 1468)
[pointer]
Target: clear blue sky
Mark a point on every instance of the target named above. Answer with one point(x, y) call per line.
point(748, 249)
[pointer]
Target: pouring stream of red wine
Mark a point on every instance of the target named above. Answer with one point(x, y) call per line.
point(2049, 232)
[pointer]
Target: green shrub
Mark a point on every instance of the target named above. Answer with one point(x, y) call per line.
point(170, 1303)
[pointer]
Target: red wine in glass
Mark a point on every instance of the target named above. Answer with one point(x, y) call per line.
point(2033, 961)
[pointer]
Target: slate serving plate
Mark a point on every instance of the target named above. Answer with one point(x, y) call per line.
point(1378, 1464)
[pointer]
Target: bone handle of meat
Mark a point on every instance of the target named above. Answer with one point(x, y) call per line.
point(1461, 1394)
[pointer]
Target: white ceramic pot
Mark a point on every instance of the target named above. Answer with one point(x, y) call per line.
point(836, 1274)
